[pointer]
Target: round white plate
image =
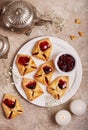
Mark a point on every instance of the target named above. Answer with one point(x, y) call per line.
point(47, 100)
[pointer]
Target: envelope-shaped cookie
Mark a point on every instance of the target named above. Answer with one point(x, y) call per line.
point(31, 88)
point(42, 49)
point(11, 106)
point(45, 72)
point(25, 64)
point(58, 87)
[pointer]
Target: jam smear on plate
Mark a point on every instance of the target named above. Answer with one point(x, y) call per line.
point(31, 85)
point(66, 62)
point(9, 103)
point(23, 60)
point(44, 45)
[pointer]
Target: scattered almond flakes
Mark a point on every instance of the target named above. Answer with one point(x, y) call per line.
point(81, 34)
point(73, 37)
point(77, 21)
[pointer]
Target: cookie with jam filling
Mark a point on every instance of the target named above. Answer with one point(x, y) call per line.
point(25, 64)
point(11, 106)
point(31, 88)
point(45, 72)
point(42, 49)
point(58, 87)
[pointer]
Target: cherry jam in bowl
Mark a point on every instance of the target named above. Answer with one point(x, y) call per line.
point(65, 62)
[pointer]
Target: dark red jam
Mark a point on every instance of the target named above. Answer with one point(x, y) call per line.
point(46, 79)
point(31, 85)
point(47, 69)
point(62, 84)
point(66, 62)
point(23, 60)
point(44, 45)
point(9, 103)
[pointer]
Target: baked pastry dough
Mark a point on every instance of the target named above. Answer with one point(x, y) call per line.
point(59, 86)
point(45, 72)
point(25, 64)
point(31, 88)
point(42, 49)
point(11, 106)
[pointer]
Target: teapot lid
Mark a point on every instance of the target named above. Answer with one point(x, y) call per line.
point(18, 14)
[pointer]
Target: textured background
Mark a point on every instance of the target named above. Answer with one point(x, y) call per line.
point(37, 118)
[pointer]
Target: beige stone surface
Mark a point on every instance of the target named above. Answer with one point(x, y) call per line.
point(34, 117)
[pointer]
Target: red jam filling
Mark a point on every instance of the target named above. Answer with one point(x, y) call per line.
point(9, 103)
point(66, 62)
point(23, 60)
point(47, 69)
point(46, 79)
point(44, 45)
point(62, 84)
point(31, 85)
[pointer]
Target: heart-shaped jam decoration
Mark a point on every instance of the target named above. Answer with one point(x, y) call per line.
point(31, 85)
point(47, 69)
point(23, 60)
point(9, 103)
point(62, 84)
point(44, 45)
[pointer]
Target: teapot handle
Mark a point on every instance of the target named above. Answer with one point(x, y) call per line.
point(2, 8)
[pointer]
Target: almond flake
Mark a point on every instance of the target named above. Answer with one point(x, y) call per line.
point(77, 21)
point(81, 34)
point(73, 37)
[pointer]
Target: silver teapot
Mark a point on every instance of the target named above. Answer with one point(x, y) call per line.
point(20, 16)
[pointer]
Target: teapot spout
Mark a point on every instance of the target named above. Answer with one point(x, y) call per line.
point(40, 22)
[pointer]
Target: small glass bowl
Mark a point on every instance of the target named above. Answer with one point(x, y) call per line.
point(71, 59)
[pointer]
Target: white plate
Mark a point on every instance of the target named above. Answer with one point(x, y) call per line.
point(46, 100)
